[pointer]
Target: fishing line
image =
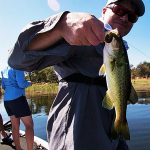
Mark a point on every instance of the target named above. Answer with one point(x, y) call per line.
point(138, 50)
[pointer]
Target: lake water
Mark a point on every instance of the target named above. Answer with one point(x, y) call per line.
point(138, 117)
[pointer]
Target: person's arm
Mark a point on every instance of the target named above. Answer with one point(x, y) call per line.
point(3, 85)
point(75, 28)
point(2, 81)
point(20, 78)
point(49, 42)
point(44, 40)
point(22, 58)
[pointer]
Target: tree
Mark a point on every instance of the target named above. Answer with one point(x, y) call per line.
point(44, 75)
point(143, 70)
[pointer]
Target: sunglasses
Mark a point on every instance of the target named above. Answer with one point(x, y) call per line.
point(121, 11)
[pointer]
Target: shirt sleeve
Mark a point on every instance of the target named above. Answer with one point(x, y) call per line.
point(2, 81)
point(21, 81)
point(23, 59)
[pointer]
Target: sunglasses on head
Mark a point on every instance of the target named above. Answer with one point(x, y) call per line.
point(121, 11)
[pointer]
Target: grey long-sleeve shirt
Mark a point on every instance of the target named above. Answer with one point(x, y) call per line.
point(77, 120)
point(70, 58)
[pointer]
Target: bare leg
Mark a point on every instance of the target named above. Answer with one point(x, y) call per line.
point(29, 131)
point(15, 131)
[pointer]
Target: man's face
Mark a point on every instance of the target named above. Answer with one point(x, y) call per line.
point(122, 23)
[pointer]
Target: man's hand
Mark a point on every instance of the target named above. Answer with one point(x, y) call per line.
point(81, 29)
point(75, 28)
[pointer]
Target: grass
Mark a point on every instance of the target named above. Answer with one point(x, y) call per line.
point(52, 88)
point(46, 88)
point(42, 89)
point(141, 84)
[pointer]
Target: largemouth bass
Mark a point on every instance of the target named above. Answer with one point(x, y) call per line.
point(118, 77)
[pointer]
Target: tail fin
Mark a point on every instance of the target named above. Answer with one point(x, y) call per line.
point(120, 129)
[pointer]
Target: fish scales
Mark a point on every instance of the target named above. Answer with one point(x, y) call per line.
point(118, 77)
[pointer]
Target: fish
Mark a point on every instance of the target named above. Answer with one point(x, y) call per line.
point(120, 91)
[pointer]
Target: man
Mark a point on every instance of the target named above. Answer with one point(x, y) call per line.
point(73, 43)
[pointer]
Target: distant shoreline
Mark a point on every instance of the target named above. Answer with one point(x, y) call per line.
point(140, 85)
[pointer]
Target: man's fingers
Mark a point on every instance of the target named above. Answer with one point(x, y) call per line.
point(94, 31)
point(98, 29)
point(82, 29)
point(91, 38)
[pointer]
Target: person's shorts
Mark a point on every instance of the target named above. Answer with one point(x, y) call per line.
point(18, 107)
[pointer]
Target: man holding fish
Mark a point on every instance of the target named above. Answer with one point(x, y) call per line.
point(82, 115)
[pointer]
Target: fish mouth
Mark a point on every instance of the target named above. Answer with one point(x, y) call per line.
point(109, 35)
point(108, 38)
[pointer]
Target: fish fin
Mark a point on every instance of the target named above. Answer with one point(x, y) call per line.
point(102, 70)
point(120, 129)
point(133, 98)
point(107, 103)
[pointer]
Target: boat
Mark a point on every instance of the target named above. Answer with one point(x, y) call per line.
point(38, 142)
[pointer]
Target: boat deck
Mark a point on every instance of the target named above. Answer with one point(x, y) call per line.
point(23, 145)
point(38, 143)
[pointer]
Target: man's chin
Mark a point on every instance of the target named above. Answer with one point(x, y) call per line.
point(121, 31)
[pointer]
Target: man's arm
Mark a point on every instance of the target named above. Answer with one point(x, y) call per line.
point(45, 37)
point(45, 40)
point(75, 28)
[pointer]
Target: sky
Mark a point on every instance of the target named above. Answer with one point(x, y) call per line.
point(15, 14)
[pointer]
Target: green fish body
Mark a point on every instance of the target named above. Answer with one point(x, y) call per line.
point(118, 76)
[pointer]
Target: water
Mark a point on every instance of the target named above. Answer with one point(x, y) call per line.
point(40, 108)
point(138, 117)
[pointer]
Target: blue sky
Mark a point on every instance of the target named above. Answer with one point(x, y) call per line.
point(15, 14)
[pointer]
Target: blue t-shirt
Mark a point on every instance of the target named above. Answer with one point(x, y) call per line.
point(13, 83)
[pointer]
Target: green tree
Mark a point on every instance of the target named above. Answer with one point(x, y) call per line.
point(143, 70)
point(44, 75)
